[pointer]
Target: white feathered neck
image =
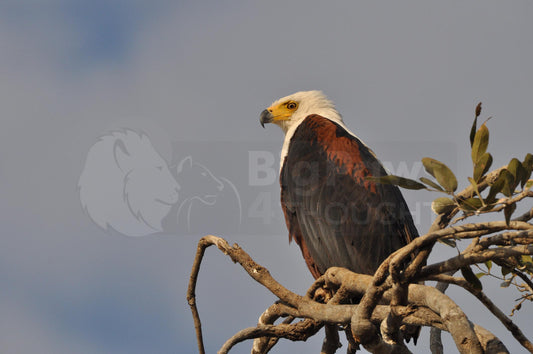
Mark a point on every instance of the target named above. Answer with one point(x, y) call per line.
point(309, 102)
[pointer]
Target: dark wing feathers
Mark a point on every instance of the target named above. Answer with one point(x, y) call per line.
point(335, 215)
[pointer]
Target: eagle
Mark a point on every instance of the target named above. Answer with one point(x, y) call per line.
point(333, 211)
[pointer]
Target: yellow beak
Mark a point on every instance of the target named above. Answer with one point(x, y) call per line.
point(275, 114)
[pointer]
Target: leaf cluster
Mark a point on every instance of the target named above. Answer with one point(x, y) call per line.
point(512, 180)
point(489, 193)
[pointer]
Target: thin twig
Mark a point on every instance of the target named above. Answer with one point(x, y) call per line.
point(527, 281)
point(191, 291)
point(464, 260)
point(298, 331)
point(498, 206)
point(263, 345)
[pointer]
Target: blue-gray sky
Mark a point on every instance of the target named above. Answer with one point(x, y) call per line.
point(194, 76)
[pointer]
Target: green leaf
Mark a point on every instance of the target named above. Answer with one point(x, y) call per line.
point(474, 124)
point(480, 144)
point(488, 264)
point(442, 173)
point(470, 277)
point(448, 242)
point(478, 109)
point(508, 182)
point(528, 184)
point(513, 166)
point(480, 275)
point(474, 185)
point(517, 170)
point(506, 283)
point(521, 174)
point(442, 205)
point(398, 181)
point(431, 183)
point(528, 166)
point(508, 212)
point(482, 166)
point(471, 204)
point(506, 270)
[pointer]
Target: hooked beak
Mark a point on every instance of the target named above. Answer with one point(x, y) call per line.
point(266, 117)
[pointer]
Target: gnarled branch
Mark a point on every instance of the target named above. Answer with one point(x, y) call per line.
point(427, 307)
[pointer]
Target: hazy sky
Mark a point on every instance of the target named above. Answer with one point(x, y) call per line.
point(194, 76)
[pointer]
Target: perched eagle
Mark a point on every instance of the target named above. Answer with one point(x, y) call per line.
point(335, 214)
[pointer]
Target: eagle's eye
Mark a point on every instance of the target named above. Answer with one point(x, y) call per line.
point(291, 105)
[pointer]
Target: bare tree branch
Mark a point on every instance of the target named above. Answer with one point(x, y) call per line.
point(490, 343)
point(498, 206)
point(485, 300)
point(473, 258)
point(374, 322)
point(331, 341)
point(298, 331)
point(528, 215)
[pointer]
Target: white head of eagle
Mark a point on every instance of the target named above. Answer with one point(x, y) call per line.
point(290, 111)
